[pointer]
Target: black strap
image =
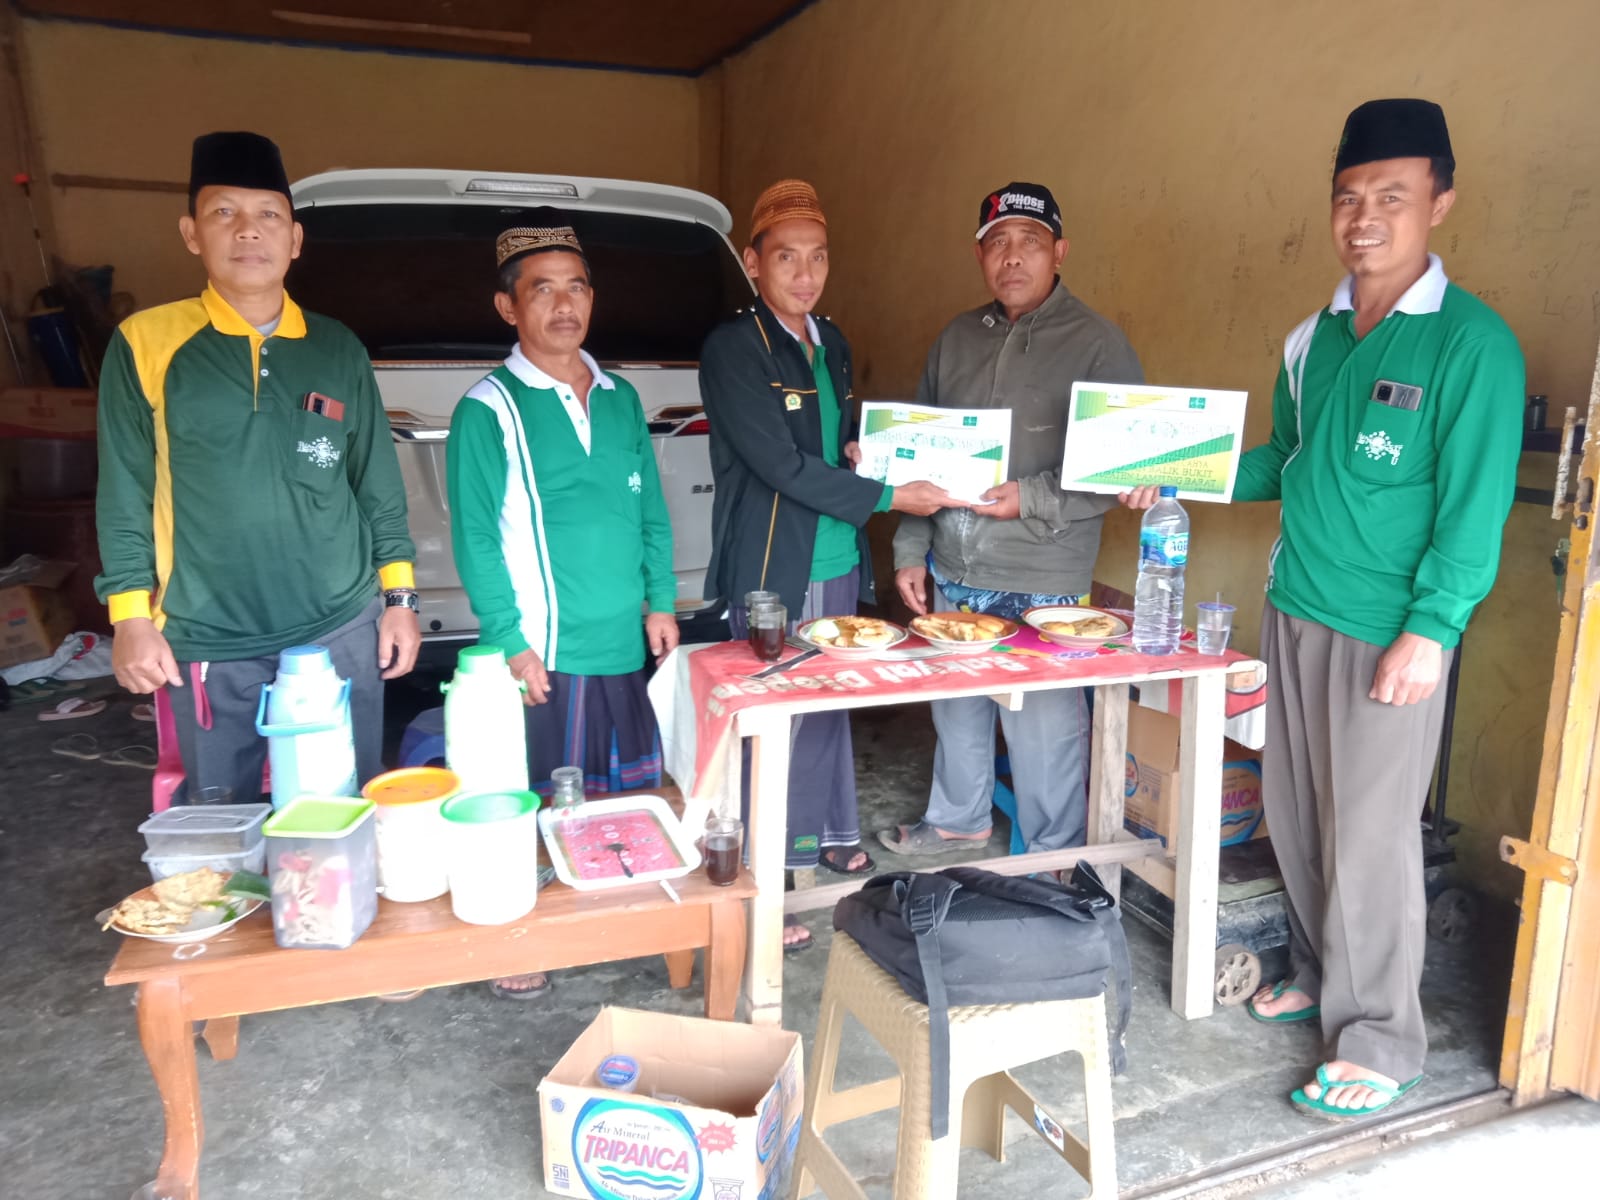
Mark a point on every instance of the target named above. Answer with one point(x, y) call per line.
point(925, 903)
point(1110, 923)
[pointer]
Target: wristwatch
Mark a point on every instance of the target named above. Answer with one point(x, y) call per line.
point(401, 598)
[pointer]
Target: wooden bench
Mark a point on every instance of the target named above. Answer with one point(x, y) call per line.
point(409, 946)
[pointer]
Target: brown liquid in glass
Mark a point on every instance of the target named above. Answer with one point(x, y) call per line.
point(722, 858)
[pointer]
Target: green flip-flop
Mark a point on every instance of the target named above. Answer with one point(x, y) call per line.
point(1321, 1108)
point(1285, 1018)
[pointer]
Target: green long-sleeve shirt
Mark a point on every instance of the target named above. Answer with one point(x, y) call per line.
point(560, 530)
point(236, 519)
point(1393, 504)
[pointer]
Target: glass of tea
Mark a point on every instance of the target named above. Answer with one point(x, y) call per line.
point(766, 626)
point(723, 841)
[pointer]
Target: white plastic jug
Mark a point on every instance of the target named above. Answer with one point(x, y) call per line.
point(485, 738)
point(492, 855)
point(305, 716)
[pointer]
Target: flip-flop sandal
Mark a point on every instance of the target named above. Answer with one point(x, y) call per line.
point(505, 993)
point(1320, 1108)
point(143, 712)
point(837, 859)
point(804, 944)
point(143, 757)
point(1284, 1018)
point(400, 997)
point(73, 708)
point(84, 746)
point(923, 838)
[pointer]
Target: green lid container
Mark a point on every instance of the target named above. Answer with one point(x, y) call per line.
point(485, 808)
point(318, 817)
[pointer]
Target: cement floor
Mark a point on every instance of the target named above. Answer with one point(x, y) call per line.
point(436, 1098)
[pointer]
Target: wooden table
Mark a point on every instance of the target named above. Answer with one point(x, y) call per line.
point(1197, 829)
point(409, 946)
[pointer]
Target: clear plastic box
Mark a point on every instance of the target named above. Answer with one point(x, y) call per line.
point(163, 865)
point(322, 858)
point(205, 829)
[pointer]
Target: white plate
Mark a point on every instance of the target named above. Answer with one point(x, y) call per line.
point(1064, 612)
point(850, 652)
point(205, 923)
point(591, 811)
point(959, 647)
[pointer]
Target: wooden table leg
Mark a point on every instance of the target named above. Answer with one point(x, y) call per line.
point(1108, 772)
point(167, 1035)
point(222, 1037)
point(725, 960)
point(1198, 831)
point(680, 968)
point(767, 847)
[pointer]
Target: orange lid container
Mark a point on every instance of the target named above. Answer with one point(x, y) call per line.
point(412, 785)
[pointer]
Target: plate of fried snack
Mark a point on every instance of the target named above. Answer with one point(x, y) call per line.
point(963, 630)
point(850, 637)
point(190, 907)
point(1074, 627)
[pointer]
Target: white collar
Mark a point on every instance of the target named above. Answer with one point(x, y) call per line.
point(812, 331)
point(1426, 295)
point(519, 365)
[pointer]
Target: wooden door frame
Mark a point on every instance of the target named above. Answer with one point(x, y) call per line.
point(1550, 1041)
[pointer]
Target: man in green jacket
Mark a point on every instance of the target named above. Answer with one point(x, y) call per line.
point(1395, 435)
point(249, 498)
point(560, 530)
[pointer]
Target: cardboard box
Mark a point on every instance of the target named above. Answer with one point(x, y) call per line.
point(1150, 801)
point(728, 1132)
point(47, 412)
point(34, 613)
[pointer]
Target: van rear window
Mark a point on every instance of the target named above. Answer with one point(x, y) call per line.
point(416, 281)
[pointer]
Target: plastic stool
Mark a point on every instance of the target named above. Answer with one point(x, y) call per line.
point(985, 1041)
point(423, 740)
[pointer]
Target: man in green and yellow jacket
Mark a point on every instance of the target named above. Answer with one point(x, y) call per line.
point(249, 496)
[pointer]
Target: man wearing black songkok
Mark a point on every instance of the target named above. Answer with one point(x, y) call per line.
point(249, 496)
point(1395, 435)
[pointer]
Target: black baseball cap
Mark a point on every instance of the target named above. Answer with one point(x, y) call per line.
point(1032, 201)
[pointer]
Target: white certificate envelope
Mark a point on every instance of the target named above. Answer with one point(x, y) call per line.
point(964, 450)
point(1126, 435)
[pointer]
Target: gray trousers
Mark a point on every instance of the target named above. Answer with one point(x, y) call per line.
point(1048, 744)
point(822, 761)
point(216, 719)
point(1344, 779)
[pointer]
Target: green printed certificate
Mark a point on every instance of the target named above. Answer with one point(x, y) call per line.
point(1121, 436)
point(964, 451)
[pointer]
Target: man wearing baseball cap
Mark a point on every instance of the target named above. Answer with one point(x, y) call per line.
point(1395, 436)
point(790, 513)
point(1031, 543)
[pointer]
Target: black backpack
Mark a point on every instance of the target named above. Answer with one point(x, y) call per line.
point(969, 936)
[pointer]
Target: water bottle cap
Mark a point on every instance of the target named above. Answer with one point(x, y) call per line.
point(1168, 491)
point(305, 660)
point(478, 660)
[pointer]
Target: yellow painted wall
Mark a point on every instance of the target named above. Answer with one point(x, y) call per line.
point(113, 102)
point(1189, 146)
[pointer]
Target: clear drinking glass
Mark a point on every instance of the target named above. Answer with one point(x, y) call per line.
point(767, 625)
point(566, 788)
point(723, 841)
point(1213, 625)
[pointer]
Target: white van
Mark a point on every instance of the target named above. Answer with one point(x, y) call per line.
point(405, 258)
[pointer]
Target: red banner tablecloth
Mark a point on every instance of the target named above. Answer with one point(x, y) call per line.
point(713, 683)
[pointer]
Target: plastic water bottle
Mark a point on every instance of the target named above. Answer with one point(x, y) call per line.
point(1158, 596)
point(485, 737)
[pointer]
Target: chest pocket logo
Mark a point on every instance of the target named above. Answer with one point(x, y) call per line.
point(791, 401)
point(635, 483)
point(1378, 445)
point(320, 452)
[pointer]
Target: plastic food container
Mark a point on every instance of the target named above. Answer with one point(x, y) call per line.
point(322, 857)
point(213, 829)
point(163, 865)
point(411, 832)
point(492, 853)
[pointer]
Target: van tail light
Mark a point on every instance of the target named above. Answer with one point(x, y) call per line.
point(699, 425)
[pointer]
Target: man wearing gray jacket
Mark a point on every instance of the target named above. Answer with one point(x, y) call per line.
point(1031, 543)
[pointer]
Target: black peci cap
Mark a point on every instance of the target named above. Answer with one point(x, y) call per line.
point(242, 160)
point(1381, 129)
